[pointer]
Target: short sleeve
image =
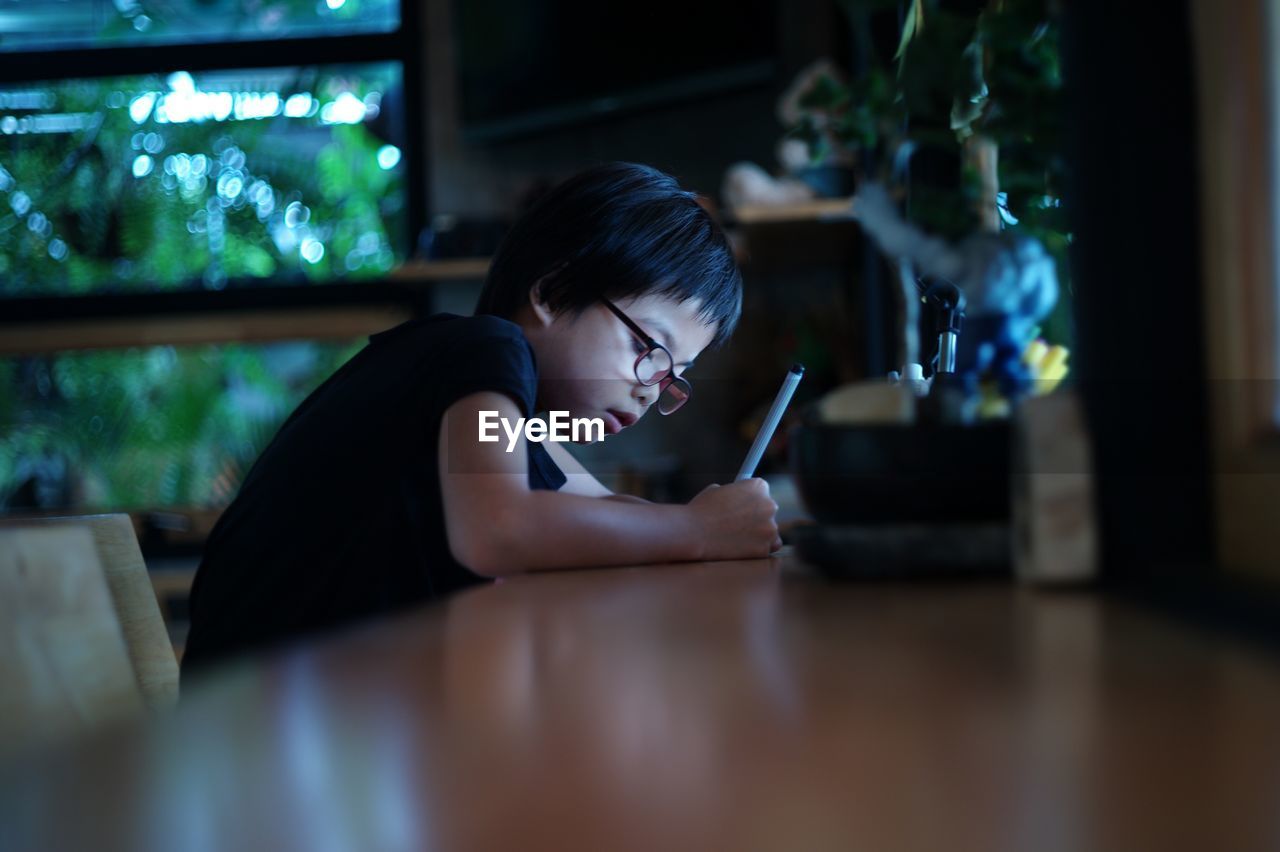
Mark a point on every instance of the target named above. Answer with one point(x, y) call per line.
point(489, 354)
point(544, 473)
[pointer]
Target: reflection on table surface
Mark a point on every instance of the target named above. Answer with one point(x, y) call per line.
point(736, 705)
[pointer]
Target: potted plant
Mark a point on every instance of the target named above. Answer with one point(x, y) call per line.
point(955, 140)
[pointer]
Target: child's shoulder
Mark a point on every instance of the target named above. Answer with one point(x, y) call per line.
point(452, 332)
point(483, 326)
point(458, 353)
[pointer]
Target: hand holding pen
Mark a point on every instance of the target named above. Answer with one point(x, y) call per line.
point(738, 521)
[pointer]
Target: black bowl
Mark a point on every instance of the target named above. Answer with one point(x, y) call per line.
point(903, 474)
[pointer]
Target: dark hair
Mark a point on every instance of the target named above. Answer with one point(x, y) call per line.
point(614, 231)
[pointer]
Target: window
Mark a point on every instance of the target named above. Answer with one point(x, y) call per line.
point(25, 25)
point(143, 427)
point(1238, 144)
point(140, 163)
point(191, 167)
point(127, 184)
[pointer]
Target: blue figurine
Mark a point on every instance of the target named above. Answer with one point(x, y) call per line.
point(1008, 282)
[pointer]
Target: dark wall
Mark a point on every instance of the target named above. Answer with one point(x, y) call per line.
point(695, 140)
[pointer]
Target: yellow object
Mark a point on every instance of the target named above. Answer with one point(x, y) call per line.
point(1034, 353)
point(1048, 365)
point(991, 405)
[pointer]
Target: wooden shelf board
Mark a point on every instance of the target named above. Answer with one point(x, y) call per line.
point(459, 269)
point(817, 210)
point(327, 323)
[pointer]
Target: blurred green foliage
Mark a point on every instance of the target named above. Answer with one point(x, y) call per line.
point(125, 205)
point(143, 428)
point(99, 23)
point(992, 71)
point(165, 182)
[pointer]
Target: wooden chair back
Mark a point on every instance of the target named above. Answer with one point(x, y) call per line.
point(64, 664)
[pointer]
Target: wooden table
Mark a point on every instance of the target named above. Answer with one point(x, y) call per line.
point(733, 706)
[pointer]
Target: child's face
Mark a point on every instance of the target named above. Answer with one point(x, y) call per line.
point(586, 364)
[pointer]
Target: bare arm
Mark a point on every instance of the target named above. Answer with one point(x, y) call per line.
point(497, 525)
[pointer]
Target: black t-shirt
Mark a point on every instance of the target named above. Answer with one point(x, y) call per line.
point(341, 516)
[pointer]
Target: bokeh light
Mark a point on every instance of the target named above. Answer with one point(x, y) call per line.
point(286, 157)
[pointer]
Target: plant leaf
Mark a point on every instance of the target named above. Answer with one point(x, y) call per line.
point(910, 28)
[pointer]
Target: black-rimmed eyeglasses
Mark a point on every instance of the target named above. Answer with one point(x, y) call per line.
point(655, 366)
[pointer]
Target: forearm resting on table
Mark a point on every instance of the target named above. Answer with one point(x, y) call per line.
point(547, 530)
point(497, 524)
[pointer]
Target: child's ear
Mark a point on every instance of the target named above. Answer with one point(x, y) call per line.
point(541, 310)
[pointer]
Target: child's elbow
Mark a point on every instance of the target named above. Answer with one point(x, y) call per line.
point(478, 557)
point(487, 550)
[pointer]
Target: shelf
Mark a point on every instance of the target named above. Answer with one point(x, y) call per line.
point(458, 269)
point(817, 210)
point(324, 312)
point(313, 323)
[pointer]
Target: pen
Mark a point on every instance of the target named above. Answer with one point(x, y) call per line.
point(771, 421)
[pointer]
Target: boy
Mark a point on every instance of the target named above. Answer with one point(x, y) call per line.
point(378, 493)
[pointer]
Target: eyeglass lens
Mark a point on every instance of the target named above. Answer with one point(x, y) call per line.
point(653, 367)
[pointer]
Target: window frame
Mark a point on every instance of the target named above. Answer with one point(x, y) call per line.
point(1239, 109)
point(403, 45)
